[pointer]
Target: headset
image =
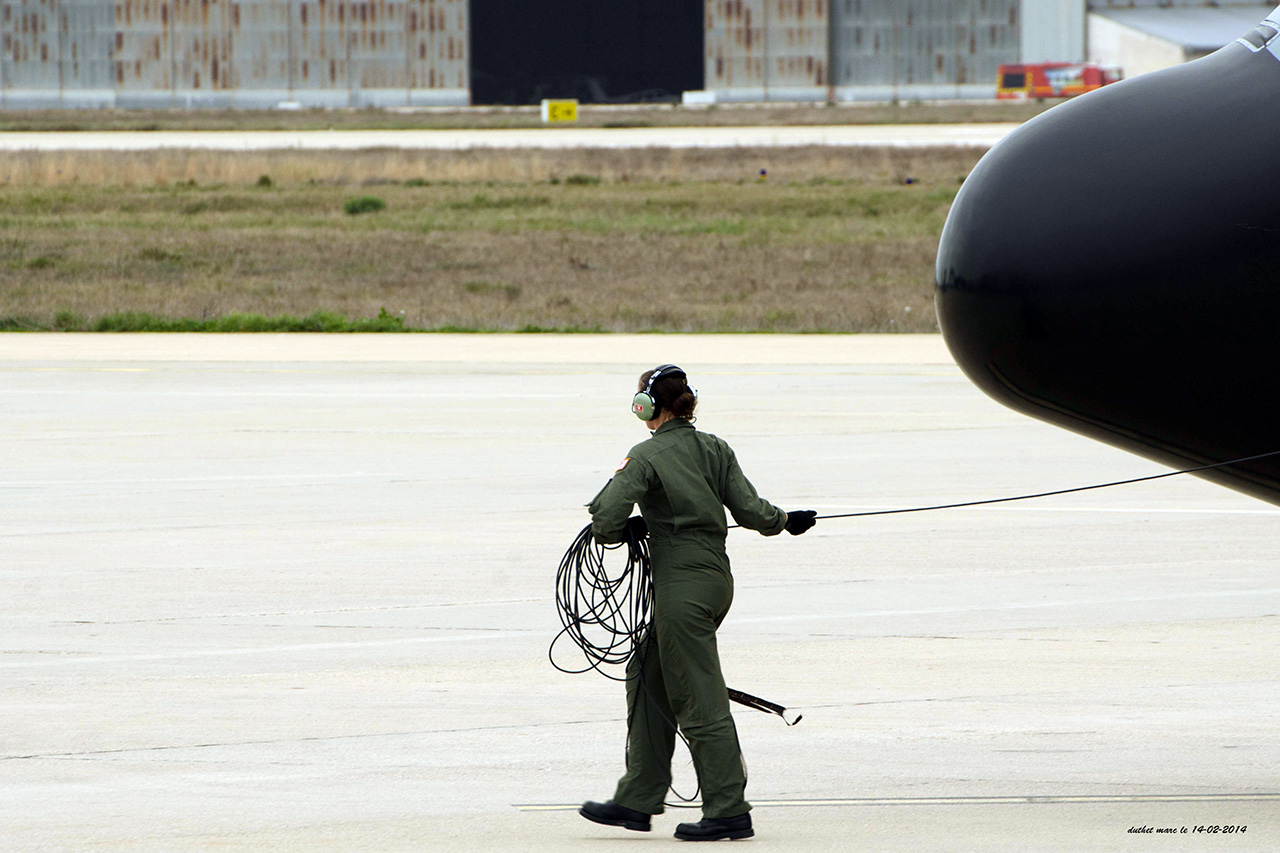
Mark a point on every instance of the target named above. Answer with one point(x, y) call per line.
point(644, 405)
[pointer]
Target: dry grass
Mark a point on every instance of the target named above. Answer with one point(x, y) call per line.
point(834, 240)
point(169, 166)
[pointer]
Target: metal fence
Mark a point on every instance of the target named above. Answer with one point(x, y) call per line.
point(233, 53)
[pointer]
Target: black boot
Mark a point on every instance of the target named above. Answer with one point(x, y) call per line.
point(717, 828)
point(612, 814)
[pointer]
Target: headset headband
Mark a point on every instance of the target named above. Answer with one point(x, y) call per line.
point(663, 370)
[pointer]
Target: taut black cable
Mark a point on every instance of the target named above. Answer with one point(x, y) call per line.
point(610, 618)
point(1045, 494)
point(607, 617)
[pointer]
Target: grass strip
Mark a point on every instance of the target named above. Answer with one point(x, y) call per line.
point(830, 241)
point(318, 321)
point(141, 321)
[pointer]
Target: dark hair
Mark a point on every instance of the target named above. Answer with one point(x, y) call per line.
point(672, 393)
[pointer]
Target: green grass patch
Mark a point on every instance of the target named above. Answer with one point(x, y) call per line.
point(501, 288)
point(363, 204)
point(481, 201)
point(318, 321)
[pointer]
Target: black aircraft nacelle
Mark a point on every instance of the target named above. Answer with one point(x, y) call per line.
point(1113, 265)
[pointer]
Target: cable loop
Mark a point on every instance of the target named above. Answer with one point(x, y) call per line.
point(606, 617)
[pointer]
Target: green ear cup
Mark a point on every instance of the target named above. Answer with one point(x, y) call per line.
point(644, 406)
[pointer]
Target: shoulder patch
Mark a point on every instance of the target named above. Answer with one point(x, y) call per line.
point(623, 464)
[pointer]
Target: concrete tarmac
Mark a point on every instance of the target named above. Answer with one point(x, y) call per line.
point(296, 592)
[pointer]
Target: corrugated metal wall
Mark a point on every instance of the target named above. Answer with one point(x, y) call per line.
point(56, 45)
point(233, 53)
point(767, 50)
point(858, 49)
point(919, 49)
point(1053, 31)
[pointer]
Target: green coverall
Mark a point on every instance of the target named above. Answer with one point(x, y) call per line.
point(682, 479)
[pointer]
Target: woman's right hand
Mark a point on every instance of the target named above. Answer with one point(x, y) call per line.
point(800, 521)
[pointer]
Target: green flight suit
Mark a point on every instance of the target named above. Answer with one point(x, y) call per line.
point(682, 479)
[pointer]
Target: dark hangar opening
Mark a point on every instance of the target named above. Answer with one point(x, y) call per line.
point(617, 51)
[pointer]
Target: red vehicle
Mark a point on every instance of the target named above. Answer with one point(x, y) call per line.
point(1052, 80)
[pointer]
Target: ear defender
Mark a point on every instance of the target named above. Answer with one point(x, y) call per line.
point(644, 405)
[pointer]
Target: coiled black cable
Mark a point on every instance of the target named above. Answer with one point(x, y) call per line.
point(606, 617)
point(610, 619)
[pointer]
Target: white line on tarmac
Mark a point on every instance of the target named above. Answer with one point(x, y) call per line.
point(1031, 799)
point(330, 611)
point(888, 135)
point(275, 395)
point(1035, 605)
point(506, 633)
point(72, 660)
point(535, 352)
point(177, 747)
point(214, 478)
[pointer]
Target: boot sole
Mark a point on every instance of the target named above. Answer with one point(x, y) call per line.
point(622, 822)
point(731, 835)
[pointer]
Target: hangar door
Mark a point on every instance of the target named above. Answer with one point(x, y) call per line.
point(598, 52)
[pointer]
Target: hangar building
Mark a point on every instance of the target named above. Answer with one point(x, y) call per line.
point(1145, 35)
point(387, 53)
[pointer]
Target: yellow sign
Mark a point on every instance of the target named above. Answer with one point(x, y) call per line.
point(553, 111)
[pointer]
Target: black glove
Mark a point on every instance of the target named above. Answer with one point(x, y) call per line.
point(800, 521)
point(636, 528)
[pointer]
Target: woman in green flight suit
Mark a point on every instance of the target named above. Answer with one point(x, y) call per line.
point(682, 480)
